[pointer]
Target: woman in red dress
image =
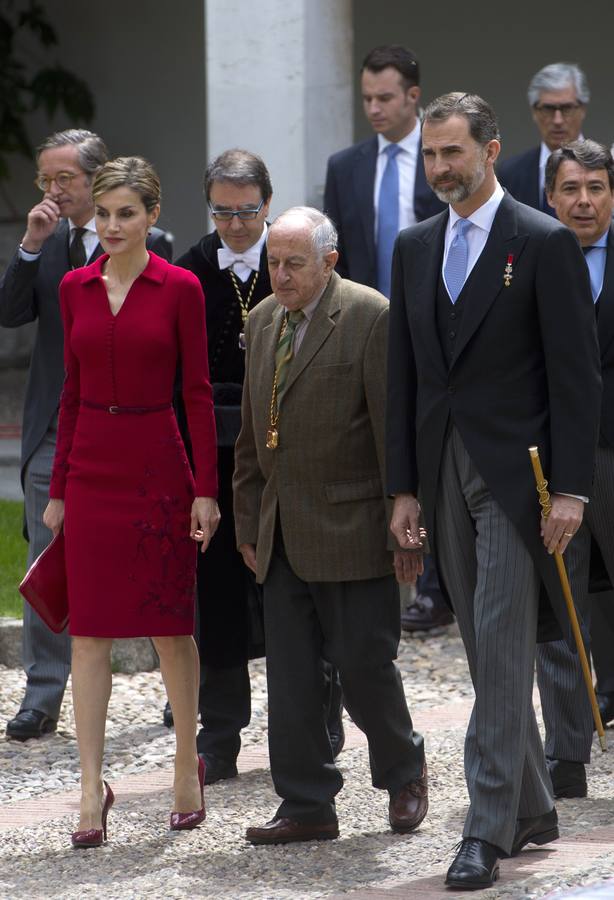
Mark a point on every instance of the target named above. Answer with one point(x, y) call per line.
point(122, 487)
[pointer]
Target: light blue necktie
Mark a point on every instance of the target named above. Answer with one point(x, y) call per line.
point(455, 269)
point(387, 218)
point(596, 267)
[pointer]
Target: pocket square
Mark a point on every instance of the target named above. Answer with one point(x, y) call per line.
point(44, 585)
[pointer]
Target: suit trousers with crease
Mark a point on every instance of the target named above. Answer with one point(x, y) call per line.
point(565, 704)
point(494, 588)
point(46, 656)
point(356, 627)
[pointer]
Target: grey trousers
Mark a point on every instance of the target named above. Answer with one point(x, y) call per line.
point(46, 656)
point(356, 627)
point(565, 704)
point(494, 588)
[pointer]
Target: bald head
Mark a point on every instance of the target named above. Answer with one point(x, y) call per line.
point(301, 247)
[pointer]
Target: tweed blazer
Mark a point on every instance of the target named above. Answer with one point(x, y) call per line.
point(325, 481)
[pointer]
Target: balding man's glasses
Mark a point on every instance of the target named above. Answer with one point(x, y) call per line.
point(62, 179)
point(225, 215)
point(549, 110)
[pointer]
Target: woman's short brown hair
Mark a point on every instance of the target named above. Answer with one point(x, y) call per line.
point(132, 172)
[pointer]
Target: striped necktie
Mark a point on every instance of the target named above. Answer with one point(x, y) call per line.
point(284, 351)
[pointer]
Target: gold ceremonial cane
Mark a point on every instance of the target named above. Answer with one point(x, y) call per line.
point(544, 502)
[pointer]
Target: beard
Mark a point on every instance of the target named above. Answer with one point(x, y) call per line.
point(465, 185)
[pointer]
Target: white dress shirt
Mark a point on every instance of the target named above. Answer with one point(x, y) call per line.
point(407, 161)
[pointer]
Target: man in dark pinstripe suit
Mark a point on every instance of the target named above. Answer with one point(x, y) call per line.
point(492, 348)
point(580, 186)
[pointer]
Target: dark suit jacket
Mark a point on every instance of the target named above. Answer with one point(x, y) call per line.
point(348, 200)
point(605, 333)
point(29, 292)
point(520, 175)
point(325, 481)
point(526, 370)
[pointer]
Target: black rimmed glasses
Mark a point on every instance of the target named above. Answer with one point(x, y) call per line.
point(549, 110)
point(225, 215)
point(62, 179)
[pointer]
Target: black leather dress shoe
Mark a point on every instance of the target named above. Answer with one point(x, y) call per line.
point(30, 723)
point(568, 778)
point(535, 830)
point(426, 613)
point(475, 866)
point(606, 707)
point(167, 716)
point(288, 831)
point(218, 769)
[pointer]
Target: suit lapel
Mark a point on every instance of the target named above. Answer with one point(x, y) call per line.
point(605, 321)
point(487, 273)
point(321, 325)
point(427, 285)
point(363, 178)
point(270, 339)
point(97, 253)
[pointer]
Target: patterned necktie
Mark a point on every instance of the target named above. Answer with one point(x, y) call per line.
point(455, 269)
point(387, 218)
point(76, 251)
point(284, 352)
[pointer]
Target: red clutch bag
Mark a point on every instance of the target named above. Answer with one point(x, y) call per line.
point(44, 585)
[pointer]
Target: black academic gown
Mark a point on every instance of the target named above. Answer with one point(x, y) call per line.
point(224, 582)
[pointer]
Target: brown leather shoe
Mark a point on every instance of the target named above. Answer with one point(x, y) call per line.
point(426, 613)
point(288, 831)
point(409, 806)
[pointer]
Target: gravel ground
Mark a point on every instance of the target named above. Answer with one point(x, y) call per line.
point(144, 859)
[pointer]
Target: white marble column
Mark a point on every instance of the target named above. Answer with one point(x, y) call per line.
point(279, 82)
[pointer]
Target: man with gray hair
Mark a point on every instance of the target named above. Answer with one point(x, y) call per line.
point(311, 522)
point(558, 96)
point(60, 236)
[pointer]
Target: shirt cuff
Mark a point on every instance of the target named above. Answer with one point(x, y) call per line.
point(27, 256)
point(575, 496)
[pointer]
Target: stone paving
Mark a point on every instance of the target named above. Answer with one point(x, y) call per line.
point(39, 802)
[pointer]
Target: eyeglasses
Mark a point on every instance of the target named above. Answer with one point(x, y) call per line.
point(62, 179)
point(549, 110)
point(225, 215)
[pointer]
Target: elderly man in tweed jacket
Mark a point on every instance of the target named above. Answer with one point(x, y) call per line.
point(311, 522)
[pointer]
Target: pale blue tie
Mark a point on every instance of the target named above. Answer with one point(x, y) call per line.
point(596, 267)
point(455, 270)
point(387, 218)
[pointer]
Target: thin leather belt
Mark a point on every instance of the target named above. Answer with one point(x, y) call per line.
point(128, 410)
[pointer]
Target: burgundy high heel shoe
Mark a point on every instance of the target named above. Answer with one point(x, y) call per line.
point(94, 837)
point(185, 821)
